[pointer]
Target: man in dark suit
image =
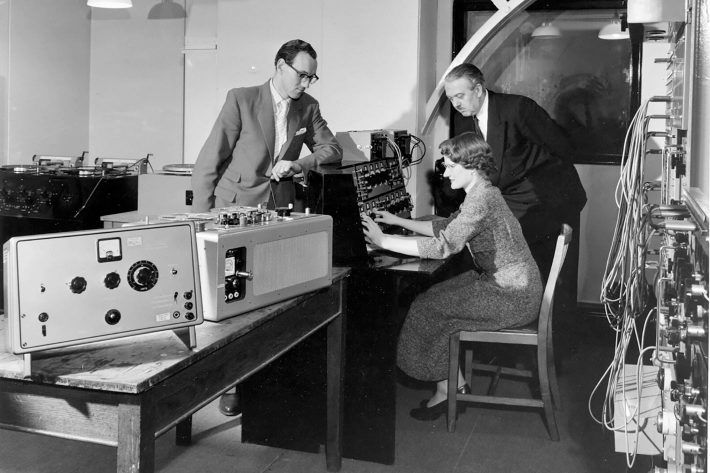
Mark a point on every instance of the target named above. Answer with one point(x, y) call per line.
point(253, 150)
point(535, 171)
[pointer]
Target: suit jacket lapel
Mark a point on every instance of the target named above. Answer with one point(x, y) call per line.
point(293, 119)
point(265, 115)
point(495, 134)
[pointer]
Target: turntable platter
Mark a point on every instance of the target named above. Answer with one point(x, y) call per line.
point(178, 169)
point(20, 168)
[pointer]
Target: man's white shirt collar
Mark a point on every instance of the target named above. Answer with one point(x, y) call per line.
point(276, 96)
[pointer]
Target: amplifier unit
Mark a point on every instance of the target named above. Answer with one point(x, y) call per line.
point(252, 257)
point(63, 289)
point(371, 145)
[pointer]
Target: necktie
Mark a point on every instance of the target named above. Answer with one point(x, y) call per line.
point(281, 111)
point(477, 128)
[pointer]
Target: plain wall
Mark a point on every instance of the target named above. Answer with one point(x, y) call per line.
point(136, 87)
point(4, 77)
point(45, 87)
point(373, 58)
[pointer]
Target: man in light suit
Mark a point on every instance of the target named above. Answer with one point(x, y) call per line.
point(252, 152)
point(535, 174)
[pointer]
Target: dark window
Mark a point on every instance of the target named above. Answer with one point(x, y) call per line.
point(590, 86)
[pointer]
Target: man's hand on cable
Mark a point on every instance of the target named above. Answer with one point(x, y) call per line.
point(285, 169)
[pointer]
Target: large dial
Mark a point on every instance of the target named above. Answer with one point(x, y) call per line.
point(142, 275)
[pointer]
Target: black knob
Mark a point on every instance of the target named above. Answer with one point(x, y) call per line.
point(77, 285)
point(43, 317)
point(112, 280)
point(188, 305)
point(187, 295)
point(190, 316)
point(143, 275)
point(112, 317)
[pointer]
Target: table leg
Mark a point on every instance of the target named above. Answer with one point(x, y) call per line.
point(334, 413)
point(136, 440)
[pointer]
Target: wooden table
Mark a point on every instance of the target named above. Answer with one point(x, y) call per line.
point(128, 391)
point(373, 323)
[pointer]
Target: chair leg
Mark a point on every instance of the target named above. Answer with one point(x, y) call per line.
point(552, 373)
point(494, 382)
point(453, 381)
point(542, 366)
point(468, 366)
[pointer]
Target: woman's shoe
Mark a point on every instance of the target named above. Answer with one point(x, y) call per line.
point(434, 412)
point(230, 404)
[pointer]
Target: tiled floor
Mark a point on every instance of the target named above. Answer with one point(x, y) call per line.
point(486, 440)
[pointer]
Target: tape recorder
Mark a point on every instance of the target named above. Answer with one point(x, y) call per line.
point(252, 257)
point(68, 288)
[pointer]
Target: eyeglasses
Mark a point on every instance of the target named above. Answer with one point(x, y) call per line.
point(303, 76)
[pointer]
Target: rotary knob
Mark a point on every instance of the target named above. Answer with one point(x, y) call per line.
point(112, 280)
point(142, 275)
point(112, 317)
point(77, 285)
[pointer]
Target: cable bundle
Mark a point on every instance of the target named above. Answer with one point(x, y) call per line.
point(405, 164)
point(625, 292)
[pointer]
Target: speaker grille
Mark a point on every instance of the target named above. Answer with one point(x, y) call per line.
point(290, 261)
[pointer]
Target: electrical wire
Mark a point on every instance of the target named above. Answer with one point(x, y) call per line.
point(88, 199)
point(406, 171)
point(418, 145)
point(139, 162)
point(625, 292)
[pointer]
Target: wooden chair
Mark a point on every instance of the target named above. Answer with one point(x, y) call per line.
point(538, 333)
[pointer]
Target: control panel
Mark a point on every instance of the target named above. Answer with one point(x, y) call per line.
point(682, 346)
point(68, 288)
point(380, 186)
point(376, 178)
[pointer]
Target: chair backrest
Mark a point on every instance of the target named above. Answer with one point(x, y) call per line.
point(548, 297)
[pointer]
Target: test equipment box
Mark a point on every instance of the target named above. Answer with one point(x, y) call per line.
point(69, 288)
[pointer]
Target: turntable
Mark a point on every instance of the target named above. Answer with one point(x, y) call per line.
point(36, 199)
point(178, 169)
point(20, 168)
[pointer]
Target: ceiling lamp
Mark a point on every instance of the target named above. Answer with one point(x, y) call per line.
point(110, 3)
point(617, 29)
point(165, 10)
point(546, 31)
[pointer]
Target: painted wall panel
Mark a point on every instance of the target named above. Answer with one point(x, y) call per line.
point(136, 90)
point(48, 79)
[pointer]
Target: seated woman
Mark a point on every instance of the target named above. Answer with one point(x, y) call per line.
point(503, 291)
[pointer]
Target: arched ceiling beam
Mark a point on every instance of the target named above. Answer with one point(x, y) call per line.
point(507, 9)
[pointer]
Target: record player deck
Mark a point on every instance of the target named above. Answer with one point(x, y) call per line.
point(61, 192)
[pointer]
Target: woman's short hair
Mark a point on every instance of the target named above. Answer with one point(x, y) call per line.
point(470, 151)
